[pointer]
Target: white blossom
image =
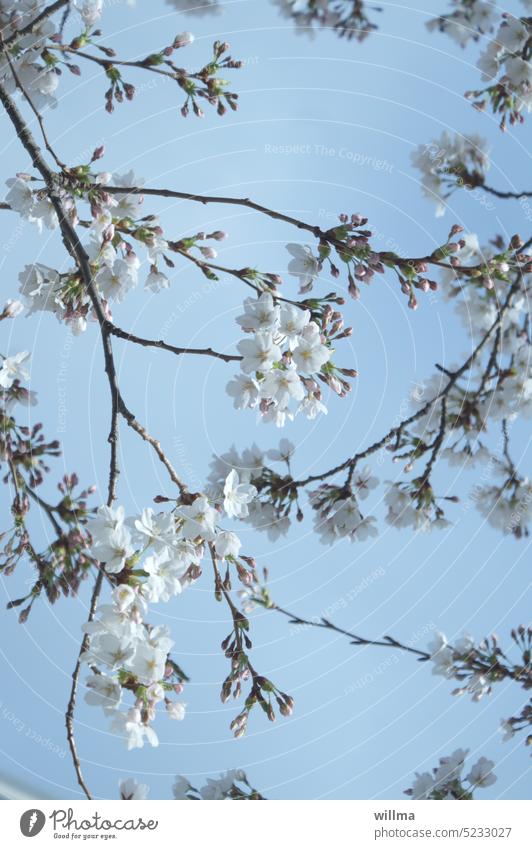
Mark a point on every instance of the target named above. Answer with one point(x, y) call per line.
point(227, 544)
point(176, 710)
point(282, 385)
point(259, 314)
point(237, 495)
point(200, 519)
point(481, 774)
point(131, 789)
point(259, 353)
point(13, 368)
point(244, 390)
point(103, 691)
point(130, 726)
point(303, 265)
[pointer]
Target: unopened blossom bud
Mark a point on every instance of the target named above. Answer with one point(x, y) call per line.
point(455, 229)
point(504, 267)
point(23, 615)
point(98, 153)
point(218, 235)
point(516, 242)
point(353, 289)
point(343, 218)
point(424, 284)
point(433, 286)
point(357, 220)
point(488, 283)
point(284, 708)
point(327, 313)
point(12, 309)
point(183, 39)
point(178, 688)
point(288, 701)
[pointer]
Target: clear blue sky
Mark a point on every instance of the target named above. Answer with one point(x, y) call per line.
point(365, 719)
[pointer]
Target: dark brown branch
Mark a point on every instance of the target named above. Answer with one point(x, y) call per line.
point(504, 195)
point(165, 346)
point(205, 199)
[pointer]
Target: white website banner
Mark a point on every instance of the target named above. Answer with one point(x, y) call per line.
point(356, 824)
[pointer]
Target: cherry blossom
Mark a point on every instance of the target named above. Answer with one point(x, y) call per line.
point(237, 495)
point(130, 789)
point(13, 368)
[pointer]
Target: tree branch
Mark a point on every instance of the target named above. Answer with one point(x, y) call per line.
point(78, 253)
point(165, 346)
point(397, 430)
point(356, 640)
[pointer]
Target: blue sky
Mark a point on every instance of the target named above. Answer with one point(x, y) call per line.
point(324, 126)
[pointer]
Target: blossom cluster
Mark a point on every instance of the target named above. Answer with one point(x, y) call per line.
point(449, 161)
point(284, 357)
point(468, 20)
point(346, 17)
point(269, 510)
point(151, 558)
point(337, 510)
point(24, 456)
point(152, 564)
point(114, 262)
point(414, 505)
point(506, 64)
point(231, 785)
point(30, 61)
point(478, 667)
point(446, 780)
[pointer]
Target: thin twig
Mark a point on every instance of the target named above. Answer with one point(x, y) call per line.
point(356, 639)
